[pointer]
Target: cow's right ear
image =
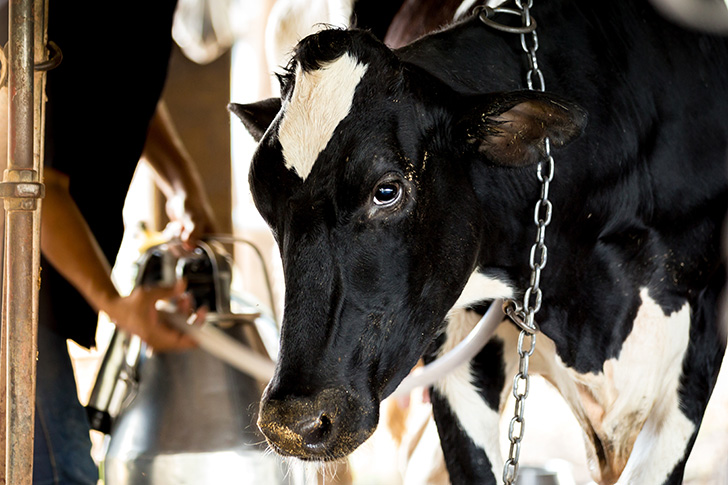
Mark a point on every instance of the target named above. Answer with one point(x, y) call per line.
point(258, 116)
point(510, 128)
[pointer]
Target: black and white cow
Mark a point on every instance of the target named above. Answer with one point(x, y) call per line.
point(400, 187)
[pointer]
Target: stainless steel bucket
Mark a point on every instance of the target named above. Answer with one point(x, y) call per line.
point(531, 475)
point(186, 417)
point(191, 422)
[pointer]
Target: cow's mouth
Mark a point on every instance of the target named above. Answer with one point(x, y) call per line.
point(327, 427)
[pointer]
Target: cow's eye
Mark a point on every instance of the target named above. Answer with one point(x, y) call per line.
point(387, 194)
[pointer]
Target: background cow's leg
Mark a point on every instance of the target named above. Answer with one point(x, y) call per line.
point(467, 461)
point(465, 406)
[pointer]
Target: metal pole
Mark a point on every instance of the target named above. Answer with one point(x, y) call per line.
point(21, 189)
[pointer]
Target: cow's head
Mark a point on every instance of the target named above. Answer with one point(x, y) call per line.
point(364, 172)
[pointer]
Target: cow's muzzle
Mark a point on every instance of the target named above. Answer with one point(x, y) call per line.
point(327, 426)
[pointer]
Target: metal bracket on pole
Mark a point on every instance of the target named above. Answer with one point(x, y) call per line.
point(20, 190)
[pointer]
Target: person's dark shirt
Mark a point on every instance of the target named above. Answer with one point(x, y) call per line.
point(100, 101)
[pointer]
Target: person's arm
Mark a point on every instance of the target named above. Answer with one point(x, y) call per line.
point(68, 244)
point(178, 178)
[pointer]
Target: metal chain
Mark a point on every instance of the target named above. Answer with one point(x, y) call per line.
point(517, 428)
point(523, 313)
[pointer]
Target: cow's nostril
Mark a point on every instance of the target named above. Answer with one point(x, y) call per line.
point(323, 427)
point(315, 431)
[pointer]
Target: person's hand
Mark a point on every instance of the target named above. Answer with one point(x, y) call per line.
point(137, 314)
point(190, 219)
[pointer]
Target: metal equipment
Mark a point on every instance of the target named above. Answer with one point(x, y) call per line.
point(186, 417)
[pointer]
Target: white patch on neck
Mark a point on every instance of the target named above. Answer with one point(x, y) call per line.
point(480, 287)
point(320, 100)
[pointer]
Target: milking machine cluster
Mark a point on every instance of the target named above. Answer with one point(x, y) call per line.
point(189, 417)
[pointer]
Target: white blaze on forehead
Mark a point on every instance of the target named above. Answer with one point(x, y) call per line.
point(320, 100)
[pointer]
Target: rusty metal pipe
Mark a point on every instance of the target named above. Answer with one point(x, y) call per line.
point(21, 190)
point(21, 45)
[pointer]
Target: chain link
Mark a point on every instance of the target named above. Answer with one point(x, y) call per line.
point(522, 313)
point(521, 387)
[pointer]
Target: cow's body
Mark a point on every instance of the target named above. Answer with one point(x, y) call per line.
point(401, 195)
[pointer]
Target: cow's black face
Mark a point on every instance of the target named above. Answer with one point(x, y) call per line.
point(364, 176)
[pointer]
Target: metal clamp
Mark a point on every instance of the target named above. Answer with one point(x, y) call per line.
point(486, 14)
point(520, 317)
point(20, 190)
point(55, 56)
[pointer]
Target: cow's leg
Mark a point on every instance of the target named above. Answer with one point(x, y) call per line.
point(664, 444)
point(465, 406)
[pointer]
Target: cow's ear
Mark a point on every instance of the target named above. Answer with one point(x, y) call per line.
point(510, 128)
point(257, 117)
